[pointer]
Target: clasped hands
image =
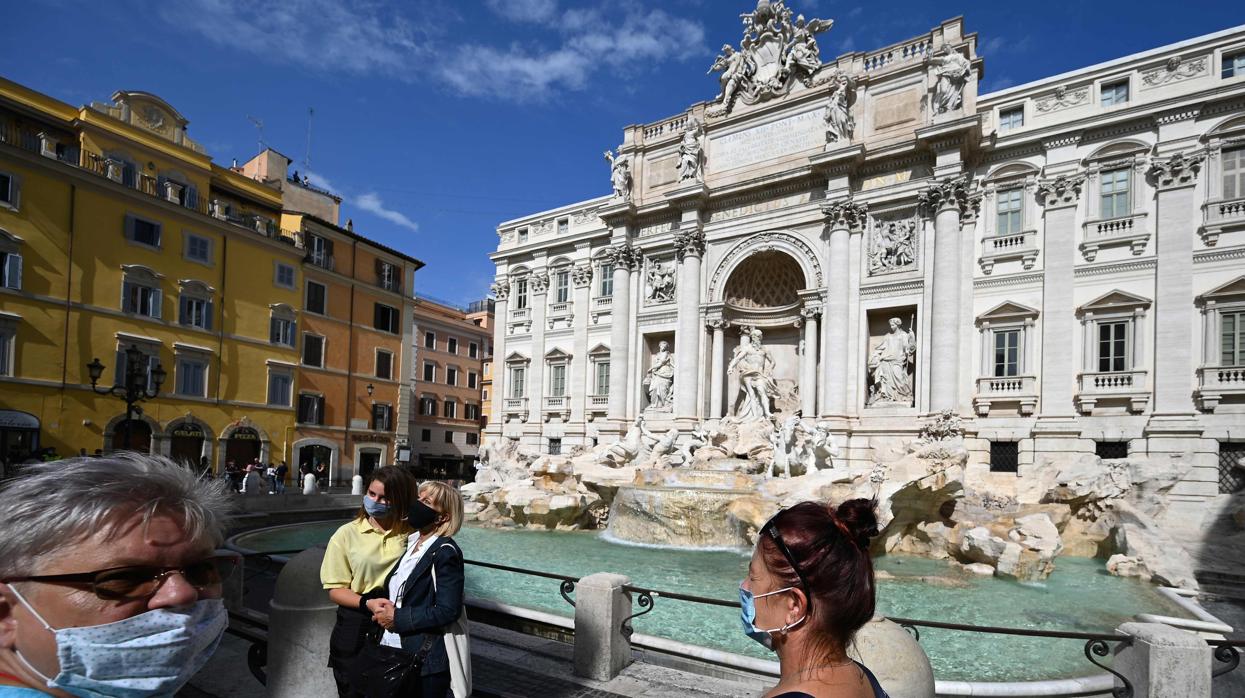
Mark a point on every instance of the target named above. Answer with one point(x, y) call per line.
point(382, 612)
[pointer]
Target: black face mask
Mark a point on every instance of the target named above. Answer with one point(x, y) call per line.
point(421, 515)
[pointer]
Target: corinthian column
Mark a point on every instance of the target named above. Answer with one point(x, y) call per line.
point(501, 291)
point(539, 285)
point(844, 218)
point(808, 361)
point(946, 201)
point(623, 258)
point(1058, 372)
point(690, 246)
point(577, 391)
point(717, 374)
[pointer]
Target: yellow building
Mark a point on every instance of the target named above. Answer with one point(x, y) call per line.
point(117, 231)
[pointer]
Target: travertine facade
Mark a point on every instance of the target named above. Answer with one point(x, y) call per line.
point(1060, 262)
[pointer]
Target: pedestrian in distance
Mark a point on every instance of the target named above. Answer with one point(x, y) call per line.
point(359, 556)
point(110, 579)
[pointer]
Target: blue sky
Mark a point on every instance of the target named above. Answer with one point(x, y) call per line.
point(436, 121)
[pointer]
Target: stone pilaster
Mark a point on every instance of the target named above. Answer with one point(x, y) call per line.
point(577, 386)
point(946, 201)
point(808, 360)
point(691, 247)
point(1057, 375)
point(843, 218)
point(624, 259)
point(1174, 367)
point(538, 285)
point(501, 376)
point(718, 370)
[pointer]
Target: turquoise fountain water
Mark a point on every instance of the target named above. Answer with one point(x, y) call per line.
point(1080, 595)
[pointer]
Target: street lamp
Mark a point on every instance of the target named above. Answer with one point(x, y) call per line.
point(371, 389)
point(134, 387)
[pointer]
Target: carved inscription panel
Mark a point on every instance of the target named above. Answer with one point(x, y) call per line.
point(792, 134)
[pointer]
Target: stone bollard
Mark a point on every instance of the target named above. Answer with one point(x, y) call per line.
point(895, 657)
point(601, 649)
point(309, 484)
point(356, 485)
point(300, 619)
point(1164, 662)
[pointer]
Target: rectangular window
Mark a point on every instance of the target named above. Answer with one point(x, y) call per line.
point(473, 350)
point(1004, 456)
point(471, 411)
point(1114, 189)
point(430, 340)
point(284, 275)
point(281, 331)
point(564, 226)
point(472, 438)
point(194, 312)
point(198, 248)
point(140, 299)
point(316, 295)
point(603, 378)
point(1232, 339)
point(555, 447)
point(451, 376)
point(6, 188)
point(425, 435)
point(562, 287)
point(310, 409)
point(7, 342)
point(320, 251)
point(11, 270)
point(518, 382)
point(1233, 160)
point(472, 380)
point(151, 359)
point(520, 294)
point(1112, 346)
point(427, 407)
point(385, 318)
point(1006, 353)
point(1111, 449)
point(279, 384)
point(191, 377)
point(449, 436)
point(522, 235)
point(1233, 65)
point(313, 350)
point(430, 373)
point(557, 380)
point(387, 276)
point(142, 231)
point(451, 409)
point(451, 345)
point(1011, 213)
point(382, 417)
point(1011, 118)
point(384, 364)
point(1231, 467)
point(1115, 93)
point(606, 273)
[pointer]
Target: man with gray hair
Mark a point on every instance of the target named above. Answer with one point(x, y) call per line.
point(110, 582)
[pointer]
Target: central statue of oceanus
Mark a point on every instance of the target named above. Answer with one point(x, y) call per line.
point(753, 366)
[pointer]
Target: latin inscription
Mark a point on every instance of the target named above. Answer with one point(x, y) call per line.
point(783, 137)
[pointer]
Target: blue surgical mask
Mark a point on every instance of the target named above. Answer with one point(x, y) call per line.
point(375, 508)
point(148, 655)
point(748, 614)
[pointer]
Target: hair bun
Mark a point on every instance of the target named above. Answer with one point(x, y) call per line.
point(860, 518)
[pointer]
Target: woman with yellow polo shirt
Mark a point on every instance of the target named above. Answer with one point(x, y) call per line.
point(359, 557)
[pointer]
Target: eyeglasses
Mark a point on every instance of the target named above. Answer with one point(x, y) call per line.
point(771, 530)
point(142, 581)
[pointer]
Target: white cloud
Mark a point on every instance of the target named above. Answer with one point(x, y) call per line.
point(319, 181)
point(354, 35)
point(371, 202)
point(524, 10)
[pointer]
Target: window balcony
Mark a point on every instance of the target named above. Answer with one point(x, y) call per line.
point(514, 408)
point(557, 406)
point(1218, 216)
point(520, 313)
point(1218, 382)
point(319, 259)
point(1128, 230)
point(603, 302)
point(1003, 248)
point(1121, 387)
point(1018, 392)
point(598, 406)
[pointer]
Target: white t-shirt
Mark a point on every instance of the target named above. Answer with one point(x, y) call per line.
point(415, 551)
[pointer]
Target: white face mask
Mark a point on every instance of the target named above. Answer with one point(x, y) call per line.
point(149, 655)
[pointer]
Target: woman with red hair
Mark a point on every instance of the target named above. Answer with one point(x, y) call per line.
point(809, 589)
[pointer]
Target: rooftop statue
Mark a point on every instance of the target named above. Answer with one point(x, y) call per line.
point(774, 53)
point(620, 174)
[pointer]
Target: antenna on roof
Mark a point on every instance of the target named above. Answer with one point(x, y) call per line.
point(259, 126)
point(307, 157)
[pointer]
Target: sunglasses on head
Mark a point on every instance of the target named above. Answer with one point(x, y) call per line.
point(142, 581)
point(771, 530)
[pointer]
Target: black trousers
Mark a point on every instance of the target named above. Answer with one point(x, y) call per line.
point(434, 685)
point(348, 637)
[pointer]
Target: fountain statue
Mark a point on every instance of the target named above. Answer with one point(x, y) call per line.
point(660, 378)
point(754, 367)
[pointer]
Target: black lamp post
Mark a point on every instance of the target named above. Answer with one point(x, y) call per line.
point(133, 388)
point(371, 389)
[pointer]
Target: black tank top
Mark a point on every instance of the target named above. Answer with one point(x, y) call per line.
point(873, 681)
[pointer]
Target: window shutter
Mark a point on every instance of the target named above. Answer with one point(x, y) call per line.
point(207, 315)
point(328, 247)
point(119, 373)
point(183, 312)
point(192, 197)
point(376, 317)
point(13, 271)
point(274, 333)
point(380, 268)
point(157, 303)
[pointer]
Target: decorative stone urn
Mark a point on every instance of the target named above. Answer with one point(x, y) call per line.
point(895, 657)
